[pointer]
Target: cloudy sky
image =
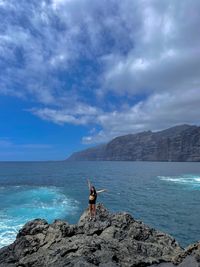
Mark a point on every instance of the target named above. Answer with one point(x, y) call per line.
point(74, 73)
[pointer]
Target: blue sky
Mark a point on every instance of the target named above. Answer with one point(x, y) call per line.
point(77, 73)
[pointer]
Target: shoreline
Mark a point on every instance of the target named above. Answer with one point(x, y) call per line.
point(114, 239)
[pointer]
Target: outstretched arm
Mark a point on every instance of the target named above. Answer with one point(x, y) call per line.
point(89, 184)
point(100, 191)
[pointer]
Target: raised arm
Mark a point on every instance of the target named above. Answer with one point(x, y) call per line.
point(100, 191)
point(89, 184)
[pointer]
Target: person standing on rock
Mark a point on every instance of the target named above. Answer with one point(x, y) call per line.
point(92, 200)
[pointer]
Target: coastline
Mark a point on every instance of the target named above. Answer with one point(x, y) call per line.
point(114, 239)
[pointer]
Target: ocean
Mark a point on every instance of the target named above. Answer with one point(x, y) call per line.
point(164, 195)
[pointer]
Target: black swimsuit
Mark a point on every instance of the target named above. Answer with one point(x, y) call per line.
point(93, 199)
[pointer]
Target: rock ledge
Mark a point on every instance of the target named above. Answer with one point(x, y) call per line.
point(114, 239)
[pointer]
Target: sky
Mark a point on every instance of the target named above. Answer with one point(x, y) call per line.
point(77, 73)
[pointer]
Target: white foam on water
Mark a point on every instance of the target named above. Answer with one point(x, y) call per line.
point(23, 203)
point(8, 230)
point(187, 180)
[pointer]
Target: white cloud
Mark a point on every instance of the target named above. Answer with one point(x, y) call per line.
point(163, 56)
point(158, 112)
point(78, 115)
point(64, 54)
point(59, 3)
point(3, 3)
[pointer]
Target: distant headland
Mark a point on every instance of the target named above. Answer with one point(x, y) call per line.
point(179, 143)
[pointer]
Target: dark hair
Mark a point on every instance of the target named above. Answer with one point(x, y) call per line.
point(93, 191)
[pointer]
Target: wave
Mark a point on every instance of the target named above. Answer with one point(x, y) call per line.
point(24, 203)
point(187, 180)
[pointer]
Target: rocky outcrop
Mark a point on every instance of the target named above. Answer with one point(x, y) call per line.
point(190, 257)
point(112, 240)
point(179, 143)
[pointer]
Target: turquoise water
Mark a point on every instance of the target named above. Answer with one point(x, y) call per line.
point(163, 195)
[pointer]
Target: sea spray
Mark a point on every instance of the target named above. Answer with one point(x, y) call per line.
point(188, 181)
point(24, 203)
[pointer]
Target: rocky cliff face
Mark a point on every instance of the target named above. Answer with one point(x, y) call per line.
point(94, 153)
point(180, 143)
point(112, 240)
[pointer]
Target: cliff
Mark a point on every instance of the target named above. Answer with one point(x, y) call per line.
point(179, 143)
point(114, 239)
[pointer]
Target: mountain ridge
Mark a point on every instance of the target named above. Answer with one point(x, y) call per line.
point(178, 143)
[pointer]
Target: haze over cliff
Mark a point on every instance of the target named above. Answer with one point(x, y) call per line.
point(179, 143)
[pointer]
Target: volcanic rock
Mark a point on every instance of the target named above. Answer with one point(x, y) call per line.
point(113, 239)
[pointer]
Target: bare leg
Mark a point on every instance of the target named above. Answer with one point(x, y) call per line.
point(90, 210)
point(94, 210)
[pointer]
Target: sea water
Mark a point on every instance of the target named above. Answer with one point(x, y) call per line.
point(165, 196)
